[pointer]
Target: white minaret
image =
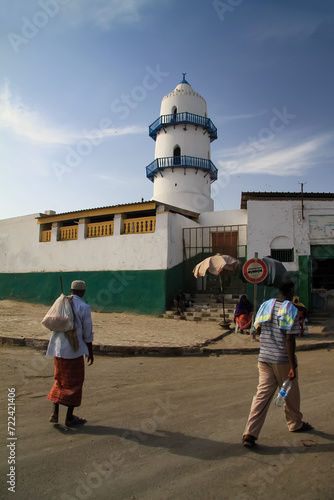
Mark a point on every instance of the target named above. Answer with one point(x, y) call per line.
point(182, 171)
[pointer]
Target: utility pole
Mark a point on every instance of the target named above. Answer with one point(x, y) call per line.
point(302, 194)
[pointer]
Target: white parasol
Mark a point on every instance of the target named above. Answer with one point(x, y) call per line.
point(215, 264)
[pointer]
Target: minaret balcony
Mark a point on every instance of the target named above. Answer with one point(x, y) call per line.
point(172, 162)
point(185, 118)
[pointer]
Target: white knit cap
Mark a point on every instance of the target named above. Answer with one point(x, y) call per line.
point(78, 285)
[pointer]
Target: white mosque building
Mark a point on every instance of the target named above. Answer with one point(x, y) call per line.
point(134, 257)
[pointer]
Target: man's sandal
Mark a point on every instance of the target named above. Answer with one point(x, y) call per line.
point(75, 421)
point(248, 441)
point(304, 428)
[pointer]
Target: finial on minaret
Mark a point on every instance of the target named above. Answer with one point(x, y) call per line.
point(184, 78)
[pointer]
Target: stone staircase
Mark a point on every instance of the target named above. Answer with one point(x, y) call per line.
point(206, 307)
point(321, 321)
point(209, 307)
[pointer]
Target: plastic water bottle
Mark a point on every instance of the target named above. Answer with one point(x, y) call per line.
point(280, 398)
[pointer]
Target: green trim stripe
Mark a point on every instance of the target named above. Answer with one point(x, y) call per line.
point(141, 292)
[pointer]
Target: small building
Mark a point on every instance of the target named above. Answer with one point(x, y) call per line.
point(298, 230)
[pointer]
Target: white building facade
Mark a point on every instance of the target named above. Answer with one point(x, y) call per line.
point(298, 230)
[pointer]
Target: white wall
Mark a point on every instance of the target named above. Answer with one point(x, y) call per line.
point(270, 219)
point(21, 251)
point(190, 191)
point(176, 223)
point(223, 218)
point(191, 141)
point(19, 245)
point(185, 99)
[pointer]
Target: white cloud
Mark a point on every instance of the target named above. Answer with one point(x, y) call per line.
point(28, 124)
point(246, 116)
point(111, 179)
point(25, 122)
point(132, 129)
point(280, 157)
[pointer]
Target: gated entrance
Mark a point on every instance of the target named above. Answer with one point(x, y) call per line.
point(322, 276)
point(201, 242)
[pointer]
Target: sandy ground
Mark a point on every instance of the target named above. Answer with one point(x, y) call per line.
point(164, 429)
point(22, 320)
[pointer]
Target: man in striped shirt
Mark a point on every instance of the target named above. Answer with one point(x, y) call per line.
point(277, 323)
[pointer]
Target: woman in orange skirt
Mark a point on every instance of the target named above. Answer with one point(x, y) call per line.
point(243, 313)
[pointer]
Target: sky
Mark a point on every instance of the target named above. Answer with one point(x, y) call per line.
point(82, 80)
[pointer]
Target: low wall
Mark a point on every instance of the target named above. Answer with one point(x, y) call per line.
point(140, 292)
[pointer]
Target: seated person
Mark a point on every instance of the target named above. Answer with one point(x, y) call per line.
point(179, 302)
point(302, 314)
point(243, 313)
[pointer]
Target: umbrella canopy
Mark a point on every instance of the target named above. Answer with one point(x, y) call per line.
point(215, 264)
point(276, 272)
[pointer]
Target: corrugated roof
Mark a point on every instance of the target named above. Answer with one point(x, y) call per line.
point(140, 206)
point(253, 195)
point(111, 207)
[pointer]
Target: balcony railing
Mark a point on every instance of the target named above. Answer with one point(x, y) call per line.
point(46, 236)
point(142, 225)
point(160, 164)
point(177, 118)
point(96, 229)
point(68, 233)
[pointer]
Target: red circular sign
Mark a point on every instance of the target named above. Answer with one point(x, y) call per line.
point(255, 270)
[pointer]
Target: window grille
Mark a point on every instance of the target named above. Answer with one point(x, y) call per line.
point(283, 254)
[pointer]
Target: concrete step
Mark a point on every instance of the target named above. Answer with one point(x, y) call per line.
point(204, 309)
point(214, 297)
point(217, 319)
point(208, 301)
point(206, 312)
point(198, 316)
point(319, 315)
point(318, 318)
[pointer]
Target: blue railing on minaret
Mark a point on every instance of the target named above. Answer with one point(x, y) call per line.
point(160, 164)
point(177, 118)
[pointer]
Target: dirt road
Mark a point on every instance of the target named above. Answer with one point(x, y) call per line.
point(164, 428)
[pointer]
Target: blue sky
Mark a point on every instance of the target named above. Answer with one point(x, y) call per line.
point(81, 81)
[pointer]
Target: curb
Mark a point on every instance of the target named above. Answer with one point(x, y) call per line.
point(176, 351)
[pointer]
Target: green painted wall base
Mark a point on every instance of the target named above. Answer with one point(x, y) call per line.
point(174, 282)
point(141, 292)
